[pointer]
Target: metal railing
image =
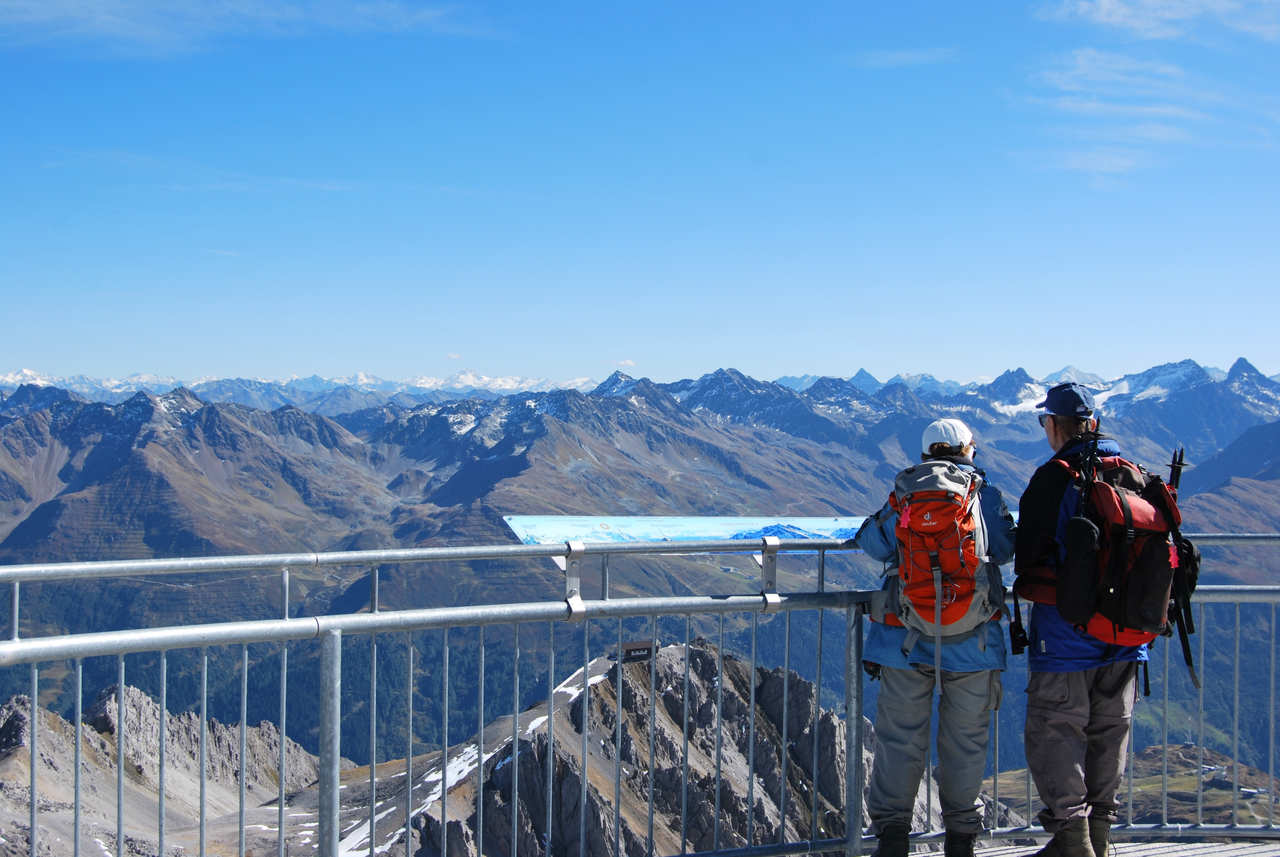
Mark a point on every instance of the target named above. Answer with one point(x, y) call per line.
point(331, 630)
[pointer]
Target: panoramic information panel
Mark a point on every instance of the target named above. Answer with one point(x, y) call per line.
point(553, 529)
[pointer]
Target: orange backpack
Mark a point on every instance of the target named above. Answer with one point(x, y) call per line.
point(946, 584)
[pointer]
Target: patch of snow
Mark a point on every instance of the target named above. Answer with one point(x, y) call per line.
point(533, 726)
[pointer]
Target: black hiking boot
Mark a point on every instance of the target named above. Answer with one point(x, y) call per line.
point(1071, 840)
point(959, 844)
point(895, 841)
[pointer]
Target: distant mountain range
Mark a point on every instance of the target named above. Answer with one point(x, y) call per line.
point(333, 396)
point(175, 474)
point(318, 395)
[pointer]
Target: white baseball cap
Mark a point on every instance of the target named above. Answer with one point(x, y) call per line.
point(951, 432)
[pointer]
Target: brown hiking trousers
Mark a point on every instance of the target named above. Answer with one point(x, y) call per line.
point(1077, 735)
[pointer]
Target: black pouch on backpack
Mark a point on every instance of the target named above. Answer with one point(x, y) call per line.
point(1147, 606)
point(1078, 575)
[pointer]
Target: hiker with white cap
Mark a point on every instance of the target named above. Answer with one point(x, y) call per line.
point(936, 629)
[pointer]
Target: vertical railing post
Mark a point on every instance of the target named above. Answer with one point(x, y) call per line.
point(479, 757)
point(34, 761)
point(373, 716)
point(284, 698)
point(617, 750)
point(204, 746)
point(814, 799)
point(786, 732)
point(1271, 728)
point(79, 714)
point(164, 742)
point(444, 742)
point(330, 740)
point(408, 753)
point(515, 745)
point(653, 717)
point(1235, 726)
point(13, 612)
point(586, 720)
point(1200, 726)
point(119, 756)
point(853, 731)
point(551, 732)
point(244, 737)
point(684, 737)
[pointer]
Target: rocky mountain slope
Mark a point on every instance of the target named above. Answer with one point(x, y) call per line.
point(55, 775)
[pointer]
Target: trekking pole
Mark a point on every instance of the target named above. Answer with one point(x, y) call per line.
point(1176, 465)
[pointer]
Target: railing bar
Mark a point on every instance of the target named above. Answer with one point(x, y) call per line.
point(75, 823)
point(373, 728)
point(604, 577)
point(715, 837)
point(244, 727)
point(653, 716)
point(1200, 726)
point(13, 612)
point(1271, 729)
point(551, 731)
point(814, 800)
point(751, 735)
point(929, 782)
point(786, 730)
point(204, 750)
point(1128, 764)
point(284, 698)
point(330, 743)
point(408, 753)
point(853, 720)
point(1235, 727)
point(164, 742)
point(993, 820)
point(374, 580)
point(1164, 742)
point(34, 760)
point(617, 753)
point(479, 761)
point(515, 745)
point(586, 719)
point(44, 572)
point(104, 643)
point(1026, 776)
point(684, 751)
point(817, 701)
point(444, 744)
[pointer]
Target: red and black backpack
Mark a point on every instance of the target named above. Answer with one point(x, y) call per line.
point(1125, 572)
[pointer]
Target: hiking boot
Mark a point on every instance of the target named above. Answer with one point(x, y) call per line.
point(895, 841)
point(1071, 840)
point(1100, 835)
point(959, 844)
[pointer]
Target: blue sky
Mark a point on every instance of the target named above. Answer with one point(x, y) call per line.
point(560, 190)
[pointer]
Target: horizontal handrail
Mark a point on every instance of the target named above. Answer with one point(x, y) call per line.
point(50, 571)
point(30, 650)
point(43, 572)
point(38, 649)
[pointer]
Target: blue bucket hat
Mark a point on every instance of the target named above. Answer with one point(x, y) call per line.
point(1068, 400)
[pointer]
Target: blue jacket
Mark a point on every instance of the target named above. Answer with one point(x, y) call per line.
point(981, 651)
point(1055, 644)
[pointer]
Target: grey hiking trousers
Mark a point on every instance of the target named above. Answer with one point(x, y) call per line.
point(1076, 737)
point(902, 744)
